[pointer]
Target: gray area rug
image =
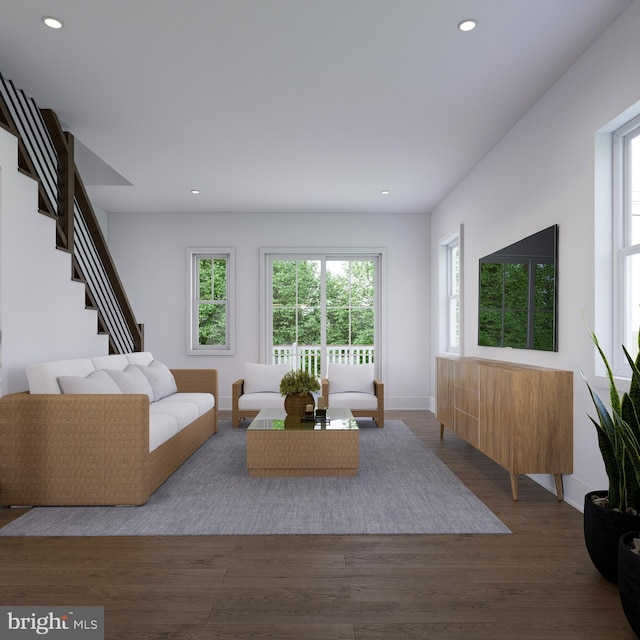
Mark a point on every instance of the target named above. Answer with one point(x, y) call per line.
point(402, 488)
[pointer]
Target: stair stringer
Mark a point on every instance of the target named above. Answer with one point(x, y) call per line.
point(42, 311)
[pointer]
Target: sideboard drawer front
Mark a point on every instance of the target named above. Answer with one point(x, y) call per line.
point(467, 427)
point(468, 375)
point(467, 401)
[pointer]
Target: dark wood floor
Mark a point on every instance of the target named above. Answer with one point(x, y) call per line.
point(537, 583)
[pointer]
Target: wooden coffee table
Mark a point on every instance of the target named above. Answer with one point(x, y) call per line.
point(281, 446)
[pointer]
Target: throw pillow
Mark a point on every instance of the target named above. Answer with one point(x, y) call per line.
point(160, 378)
point(345, 378)
point(132, 380)
point(96, 382)
point(259, 378)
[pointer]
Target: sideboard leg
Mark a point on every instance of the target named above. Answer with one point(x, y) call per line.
point(559, 489)
point(441, 431)
point(514, 486)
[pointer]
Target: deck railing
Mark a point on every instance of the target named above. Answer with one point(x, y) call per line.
point(309, 357)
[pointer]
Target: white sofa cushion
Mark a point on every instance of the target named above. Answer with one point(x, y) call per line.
point(160, 378)
point(131, 380)
point(355, 401)
point(263, 400)
point(204, 401)
point(184, 412)
point(43, 376)
point(115, 361)
point(259, 378)
point(162, 427)
point(96, 382)
point(350, 378)
point(143, 358)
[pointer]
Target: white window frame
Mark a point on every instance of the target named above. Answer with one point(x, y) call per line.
point(193, 348)
point(267, 255)
point(624, 318)
point(449, 295)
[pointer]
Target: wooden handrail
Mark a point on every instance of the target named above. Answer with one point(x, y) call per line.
point(25, 163)
point(72, 188)
point(64, 146)
point(105, 256)
point(62, 196)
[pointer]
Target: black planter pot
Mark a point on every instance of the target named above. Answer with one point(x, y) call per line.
point(602, 531)
point(629, 580)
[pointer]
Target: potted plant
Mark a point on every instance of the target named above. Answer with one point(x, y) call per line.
point(629, 578)
point(609, 514)
point(297, 387)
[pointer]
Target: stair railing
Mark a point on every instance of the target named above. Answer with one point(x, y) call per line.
point(46, 153)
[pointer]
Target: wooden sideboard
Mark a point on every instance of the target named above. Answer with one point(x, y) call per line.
point(520, 416)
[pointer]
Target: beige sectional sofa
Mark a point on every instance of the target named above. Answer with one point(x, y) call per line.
point(107, 430)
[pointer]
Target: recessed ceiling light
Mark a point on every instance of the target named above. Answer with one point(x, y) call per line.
point(54, 23)
point(386, 192)
point(195, 192)
point(467, 25)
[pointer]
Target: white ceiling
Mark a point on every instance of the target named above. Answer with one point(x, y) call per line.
point(289, 105)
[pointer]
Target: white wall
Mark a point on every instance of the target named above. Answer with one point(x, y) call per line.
point(542, 173)
point(149, 253)
point(43, 315)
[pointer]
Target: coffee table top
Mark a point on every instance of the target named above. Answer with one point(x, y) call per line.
point(276, 420)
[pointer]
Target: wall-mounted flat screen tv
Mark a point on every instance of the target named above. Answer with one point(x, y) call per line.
point(518, 294)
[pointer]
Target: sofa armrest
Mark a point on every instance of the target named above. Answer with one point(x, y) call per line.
point(197, 381)
point(73, 449)
point(379, 391)
point(324, 389)
point(237, 389)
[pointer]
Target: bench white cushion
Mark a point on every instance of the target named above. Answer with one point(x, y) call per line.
point(354, 401)
point(260, 378)
point(257, 401)
point(350, 377)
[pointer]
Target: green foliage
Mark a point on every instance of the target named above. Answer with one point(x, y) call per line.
point(298, 381)
point(619, 435)
point(212, 296)
point(296, 315)
point(514, 312)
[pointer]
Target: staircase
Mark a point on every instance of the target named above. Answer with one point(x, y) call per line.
point(46, 154)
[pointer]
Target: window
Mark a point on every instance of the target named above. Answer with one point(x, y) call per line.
point(211, 314)
point(626, 236)
point(321, 308)
point(451, 293)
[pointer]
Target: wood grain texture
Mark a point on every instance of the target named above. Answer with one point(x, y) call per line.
point(535, 584)
point(520, 416)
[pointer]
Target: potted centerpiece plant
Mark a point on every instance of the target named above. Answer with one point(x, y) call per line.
point(297, 387)
point(611, 513)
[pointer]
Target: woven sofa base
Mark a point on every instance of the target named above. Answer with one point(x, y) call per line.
point(66, 450)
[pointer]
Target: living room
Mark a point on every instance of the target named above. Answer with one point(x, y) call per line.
point(546, 170)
